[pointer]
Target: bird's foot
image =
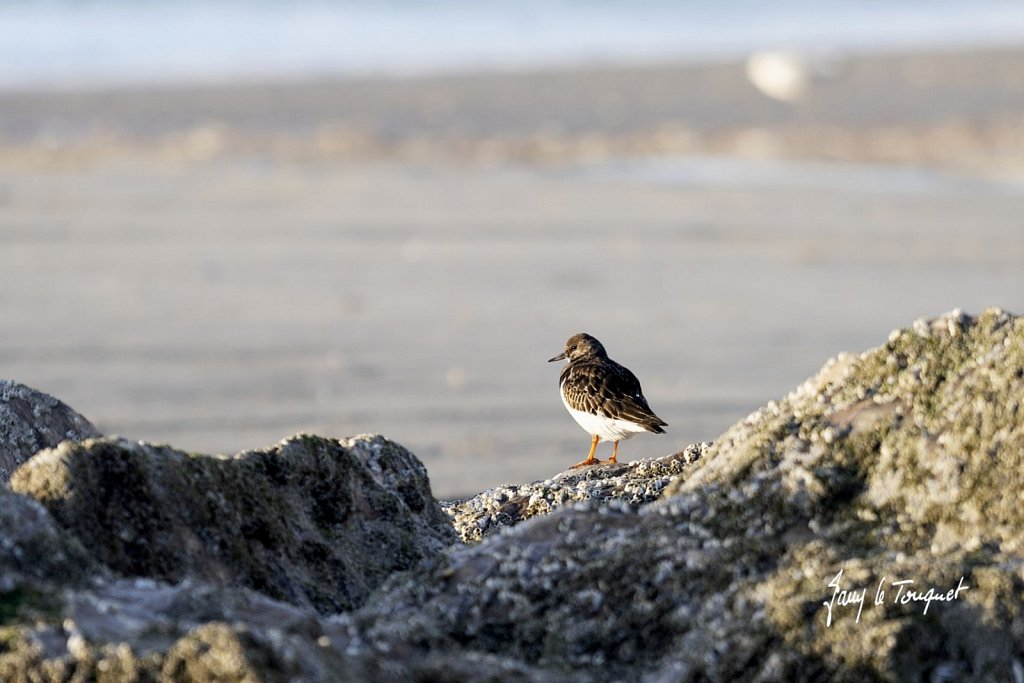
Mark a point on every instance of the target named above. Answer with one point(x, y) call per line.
point(586, 463)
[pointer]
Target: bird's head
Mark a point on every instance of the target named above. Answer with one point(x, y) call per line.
point(581, 345)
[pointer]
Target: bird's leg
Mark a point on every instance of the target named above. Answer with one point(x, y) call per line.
point(615, 451)
point(591, 460)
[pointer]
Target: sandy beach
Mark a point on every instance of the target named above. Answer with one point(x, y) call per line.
point(220, 267)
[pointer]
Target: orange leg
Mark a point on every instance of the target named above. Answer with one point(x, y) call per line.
point(615, 451)
point(591, 460)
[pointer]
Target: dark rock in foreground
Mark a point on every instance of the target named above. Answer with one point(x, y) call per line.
point(33, 547)
point(31, 421)
point(311, 521)
point(902, 463)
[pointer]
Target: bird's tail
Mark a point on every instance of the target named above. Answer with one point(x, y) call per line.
point(656, 425)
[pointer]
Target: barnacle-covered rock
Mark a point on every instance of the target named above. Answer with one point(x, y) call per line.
point(31, 421)
point(633, 483)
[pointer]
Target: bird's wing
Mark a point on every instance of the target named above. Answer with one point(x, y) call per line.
point(608, 389)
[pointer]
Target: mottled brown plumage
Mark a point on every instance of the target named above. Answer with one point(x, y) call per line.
point(604, 397)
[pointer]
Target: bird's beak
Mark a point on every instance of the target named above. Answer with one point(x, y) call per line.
point(560, 356)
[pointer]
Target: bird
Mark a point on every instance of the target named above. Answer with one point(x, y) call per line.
point(604, 397)
point(791, 76)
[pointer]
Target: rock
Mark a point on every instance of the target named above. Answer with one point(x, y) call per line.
point(903, 463)
point(312, 521)
point(33, 547)
point(138, 629)
point(632, 483)
point(31, 421)
point(128, 630)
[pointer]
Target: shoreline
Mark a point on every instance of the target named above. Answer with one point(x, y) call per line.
point(958, 109)
point(968, 52)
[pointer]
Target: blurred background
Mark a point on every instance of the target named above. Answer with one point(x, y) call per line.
point(225, 222)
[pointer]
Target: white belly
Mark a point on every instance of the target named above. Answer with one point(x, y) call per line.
point(604, 428)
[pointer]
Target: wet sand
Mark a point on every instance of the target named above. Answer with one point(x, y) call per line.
point(222, 267)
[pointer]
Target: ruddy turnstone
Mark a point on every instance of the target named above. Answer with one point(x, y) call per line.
point(602, 396)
